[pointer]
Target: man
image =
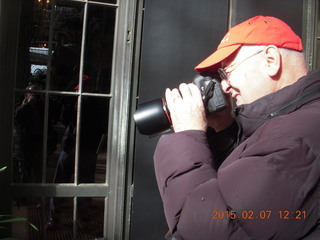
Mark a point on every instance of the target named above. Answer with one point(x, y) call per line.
point(257, 174)
point(28, 137)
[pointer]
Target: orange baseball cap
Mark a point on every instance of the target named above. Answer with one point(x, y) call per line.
point(259, 30)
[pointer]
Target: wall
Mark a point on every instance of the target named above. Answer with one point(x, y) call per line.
point(177, 35)
point(290, 11)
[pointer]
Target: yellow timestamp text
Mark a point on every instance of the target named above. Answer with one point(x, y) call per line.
point(263, 214)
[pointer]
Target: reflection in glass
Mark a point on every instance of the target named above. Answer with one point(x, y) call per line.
point(56, 221)
point(90, 218)
point(28, 136)
point(61, 139)
point(60, 219)
point(67, 35)
point(33, 43)
point(36, 51)
point(105, 1)
point(99, 48)
point(93, 132)
point(34, 209)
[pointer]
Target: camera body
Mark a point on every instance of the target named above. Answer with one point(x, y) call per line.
point(153, 117)
point(212, 95)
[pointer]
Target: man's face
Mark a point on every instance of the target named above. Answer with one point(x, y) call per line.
point(245, 79)
point(30, 97)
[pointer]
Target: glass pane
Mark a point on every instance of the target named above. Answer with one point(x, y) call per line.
point(61, 138)
point(28, 136)
point(93, 132)
point(54, 218)
point(105, 1)
point(90, 218)
point(60, 219)
point(67, 36)
point(36, 51)
point(99, 49)
point(33, 44)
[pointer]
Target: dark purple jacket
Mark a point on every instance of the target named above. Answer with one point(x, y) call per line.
point(266, 188)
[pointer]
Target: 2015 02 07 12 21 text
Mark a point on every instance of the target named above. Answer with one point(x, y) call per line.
point(262, 214)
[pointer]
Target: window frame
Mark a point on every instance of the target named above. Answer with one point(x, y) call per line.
point(116, 187)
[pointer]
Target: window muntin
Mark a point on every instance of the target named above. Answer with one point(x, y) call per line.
point(69, 54)
point(66, 50)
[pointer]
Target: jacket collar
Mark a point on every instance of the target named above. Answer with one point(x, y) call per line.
point(252, 116)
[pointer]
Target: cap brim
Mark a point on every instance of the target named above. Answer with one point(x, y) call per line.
point(212, 62)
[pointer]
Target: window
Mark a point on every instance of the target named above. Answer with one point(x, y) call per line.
point(71, 101)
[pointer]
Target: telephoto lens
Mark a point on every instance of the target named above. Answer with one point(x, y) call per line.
point(153, 117)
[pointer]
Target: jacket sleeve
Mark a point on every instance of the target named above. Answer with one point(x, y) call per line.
point(264, 190)
point(189, 188)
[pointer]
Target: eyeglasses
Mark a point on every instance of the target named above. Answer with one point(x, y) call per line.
point(225, 72)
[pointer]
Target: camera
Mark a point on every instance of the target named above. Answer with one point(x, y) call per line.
point(153, 117)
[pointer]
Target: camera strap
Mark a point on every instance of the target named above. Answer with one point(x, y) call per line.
point(209, 90)
point(293, 103)
point(169, 236)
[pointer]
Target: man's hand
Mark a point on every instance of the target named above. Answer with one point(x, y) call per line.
point(188, 113)
point(186, 108)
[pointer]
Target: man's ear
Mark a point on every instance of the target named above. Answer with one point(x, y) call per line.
point(272, 60)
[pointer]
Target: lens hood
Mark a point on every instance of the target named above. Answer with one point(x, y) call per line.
point(152, 117)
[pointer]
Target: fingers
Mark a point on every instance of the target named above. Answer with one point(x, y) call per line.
point(187, 92)
point(172, 96)
point(188, 112)
point(186, 108)
point(196, 94)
